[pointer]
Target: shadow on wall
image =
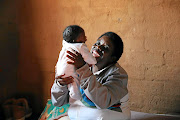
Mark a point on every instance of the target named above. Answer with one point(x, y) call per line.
point(30, 79)
point(9, 44)
point(19, 75)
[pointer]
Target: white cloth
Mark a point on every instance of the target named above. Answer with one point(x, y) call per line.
point(78, 111)
point(63, 68)
point(64, 118)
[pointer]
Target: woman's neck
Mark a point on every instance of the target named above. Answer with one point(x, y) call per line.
point(99, 67)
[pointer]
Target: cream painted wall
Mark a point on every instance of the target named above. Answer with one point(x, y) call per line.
point(149, 29)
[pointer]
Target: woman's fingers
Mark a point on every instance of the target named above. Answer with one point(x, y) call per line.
point(77, 53)
point(59, 77)
point(68, 80)
point(65, 80)
point(75, 59)
point(69, 62)
point(71, 58)
point(71, 53)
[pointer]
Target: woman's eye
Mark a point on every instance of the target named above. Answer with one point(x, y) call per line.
point(98, 43)
point(106, 47)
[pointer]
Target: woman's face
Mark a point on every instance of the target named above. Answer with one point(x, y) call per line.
point(102, 50)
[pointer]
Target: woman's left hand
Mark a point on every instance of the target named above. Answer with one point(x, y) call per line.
point(76, 59)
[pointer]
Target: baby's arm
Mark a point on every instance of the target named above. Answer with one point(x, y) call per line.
point(87, 55)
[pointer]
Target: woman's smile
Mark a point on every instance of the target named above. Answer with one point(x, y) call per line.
point(97, 53)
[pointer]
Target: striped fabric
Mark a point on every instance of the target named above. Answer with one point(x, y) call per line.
point(87, 102)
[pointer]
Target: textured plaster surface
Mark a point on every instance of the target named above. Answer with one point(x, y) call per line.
point(149, 29)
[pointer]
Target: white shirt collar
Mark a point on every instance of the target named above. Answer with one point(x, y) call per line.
point(100, 71)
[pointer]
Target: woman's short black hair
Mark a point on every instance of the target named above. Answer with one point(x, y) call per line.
point(71, 33)
point(117, 43)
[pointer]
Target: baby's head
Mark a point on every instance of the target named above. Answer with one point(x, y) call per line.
point(74, 34)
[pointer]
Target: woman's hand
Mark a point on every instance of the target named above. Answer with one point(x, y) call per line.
point(65, 80)
point(76, 59)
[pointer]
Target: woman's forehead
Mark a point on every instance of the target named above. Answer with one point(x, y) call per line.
point(105, 40)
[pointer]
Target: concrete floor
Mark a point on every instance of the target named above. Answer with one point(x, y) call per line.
point(147, 116)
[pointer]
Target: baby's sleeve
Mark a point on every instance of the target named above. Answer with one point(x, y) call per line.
point(88, 57)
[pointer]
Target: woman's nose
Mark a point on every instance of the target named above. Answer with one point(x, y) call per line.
point(100, 47)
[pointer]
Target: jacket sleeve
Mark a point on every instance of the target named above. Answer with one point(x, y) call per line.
point(103, 95)
point(59, 94)
point(87, 55)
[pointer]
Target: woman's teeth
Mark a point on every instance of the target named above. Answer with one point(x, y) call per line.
point(95, 54)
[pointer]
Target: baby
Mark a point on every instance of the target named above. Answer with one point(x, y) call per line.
point(74, 39)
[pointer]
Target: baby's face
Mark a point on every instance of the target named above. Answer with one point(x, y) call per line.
point(81, 38)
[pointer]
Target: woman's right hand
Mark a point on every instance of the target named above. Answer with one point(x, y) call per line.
point(76, 59)
point(64, 80)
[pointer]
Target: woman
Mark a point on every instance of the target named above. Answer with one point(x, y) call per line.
point(103, 88)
